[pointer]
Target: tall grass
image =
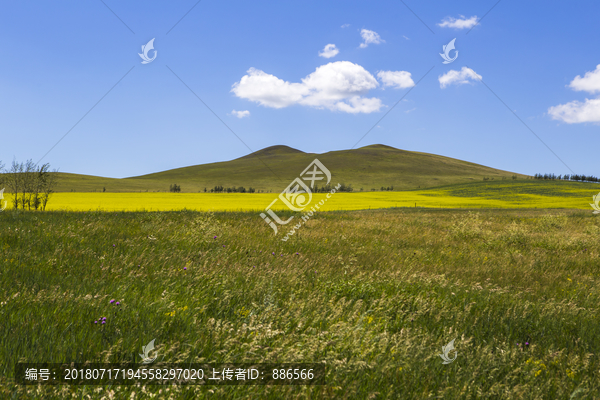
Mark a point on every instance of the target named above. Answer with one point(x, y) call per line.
point(373, 294)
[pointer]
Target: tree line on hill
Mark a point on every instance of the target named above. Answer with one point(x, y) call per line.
point(323, 189)
point(175, 188)
point(31, 185)
point(487, 178)
point(327, 188)
point(574, 177)
point(221, 189)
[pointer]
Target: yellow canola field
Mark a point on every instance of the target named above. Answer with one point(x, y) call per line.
point(338, 201)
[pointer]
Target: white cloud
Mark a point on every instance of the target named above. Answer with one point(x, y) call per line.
point(268, 90)
point(370, 37)
point(589, 83)
point(329, 51)
point(465, 75)
point(411, 110)
point(345, 25)
point(405, 37)
point(241, 114)
point(576, 112)
point(337, 86)
point(459, 23)
point(397, 79)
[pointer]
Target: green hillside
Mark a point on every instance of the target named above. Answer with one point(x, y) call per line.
point(273, 168)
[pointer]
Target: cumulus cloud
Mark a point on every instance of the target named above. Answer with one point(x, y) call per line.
point(589, 83)
point(329, 51)
point(576, 112)
point(268, 90)
point(345, 25)
point(241, 114)
point(370, 37)
point(465, 75)
point(397, 79)
point(337, 86)
point(458, 23)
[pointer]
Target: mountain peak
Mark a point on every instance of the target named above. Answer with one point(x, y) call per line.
point(379, 146)
point(273, 151)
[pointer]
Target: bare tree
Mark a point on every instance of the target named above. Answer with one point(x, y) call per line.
point(13, 178)
point(48, 180)
point(38, 185)
point(28, 184)
point(2, 172)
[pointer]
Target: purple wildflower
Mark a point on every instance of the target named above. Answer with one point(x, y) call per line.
point(95, 322)
point(214, 237)
point(184, 268)
point(114, 245)
point(118, 303)
point(526, 343)
point(112, 301)
point(103, 322)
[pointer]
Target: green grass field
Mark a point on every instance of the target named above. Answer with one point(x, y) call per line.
point(494, 194)
point(374, 295)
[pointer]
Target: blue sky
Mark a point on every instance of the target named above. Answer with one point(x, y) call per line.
point(271, 63)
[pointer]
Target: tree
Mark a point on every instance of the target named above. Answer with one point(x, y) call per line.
point(28, 186)
point(31, 185)
point(47, 182)
point(14, 181)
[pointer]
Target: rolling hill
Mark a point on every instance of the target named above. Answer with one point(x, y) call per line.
point(273, 168)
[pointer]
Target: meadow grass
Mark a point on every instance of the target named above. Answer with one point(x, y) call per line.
point(499, 194)
point(372, 294)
